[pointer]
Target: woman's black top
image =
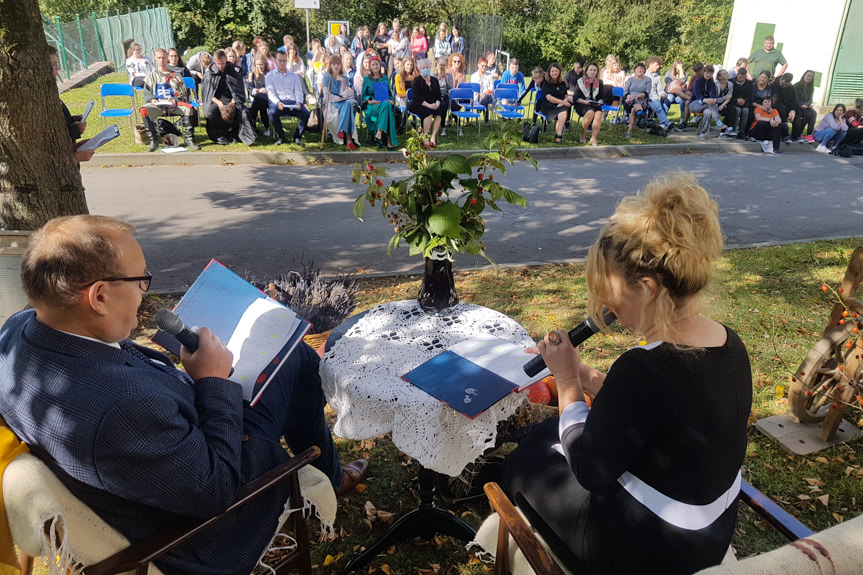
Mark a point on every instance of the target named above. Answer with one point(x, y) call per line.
point(257, 82)
point(428, 93)
point(382, 52)
point(557, 90)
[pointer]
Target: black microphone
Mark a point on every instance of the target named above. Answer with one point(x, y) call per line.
point(169, 322)
point(577, 336)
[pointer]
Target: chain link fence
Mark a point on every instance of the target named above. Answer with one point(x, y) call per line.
point(90, 39)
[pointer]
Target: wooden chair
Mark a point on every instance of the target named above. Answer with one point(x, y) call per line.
point(137, 557)
point(837, 551)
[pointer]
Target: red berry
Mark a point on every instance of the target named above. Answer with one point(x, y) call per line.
point(856, 330)
point(479, 190)
point(840, 289)
point(810, 392)
point(841, 322)
point(480, 176)
point(473, 201)
point(802, 372)
point(379, 183)
point(853, 314)
point(823, 288)
point(845, 313)
point(370, 167)
point(848, 345)
point(793, 378)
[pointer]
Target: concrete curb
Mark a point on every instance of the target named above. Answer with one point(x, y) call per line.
point(311, 158)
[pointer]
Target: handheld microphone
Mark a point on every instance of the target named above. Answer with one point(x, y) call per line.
point(577, 336)
point(169, 322)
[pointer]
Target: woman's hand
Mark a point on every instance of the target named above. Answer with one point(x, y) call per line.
point(564, 362)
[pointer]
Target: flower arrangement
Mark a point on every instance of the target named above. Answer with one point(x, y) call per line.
point(438, 208)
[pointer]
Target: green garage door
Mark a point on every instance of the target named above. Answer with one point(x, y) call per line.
point(847, 81)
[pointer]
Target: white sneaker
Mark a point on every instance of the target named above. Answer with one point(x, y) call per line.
point(267, 133)
point(823, 149)
point(766, 146)
point(443, 131)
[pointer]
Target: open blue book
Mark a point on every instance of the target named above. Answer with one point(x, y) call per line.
point(474, 374)
point(259, 331)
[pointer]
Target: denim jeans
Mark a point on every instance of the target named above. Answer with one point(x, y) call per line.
point(709, 113)
point(657, 108)
point(829, 137)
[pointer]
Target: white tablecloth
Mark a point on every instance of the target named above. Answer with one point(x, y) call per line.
point(362, 380)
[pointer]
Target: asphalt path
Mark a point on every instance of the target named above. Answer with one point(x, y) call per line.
point(263, 219)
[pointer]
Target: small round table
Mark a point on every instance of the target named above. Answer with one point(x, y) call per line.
point(362, 371)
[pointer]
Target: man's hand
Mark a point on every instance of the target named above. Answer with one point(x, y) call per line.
point(154, 101)
point(280, 106)
point(211, 359)
point(741, 102)
point(84, 155)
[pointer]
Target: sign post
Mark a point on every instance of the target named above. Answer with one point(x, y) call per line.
point(308, 5)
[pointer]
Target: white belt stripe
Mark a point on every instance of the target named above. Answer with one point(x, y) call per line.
point(679, 514)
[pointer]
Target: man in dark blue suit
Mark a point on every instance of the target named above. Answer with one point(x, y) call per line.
point(140, 442)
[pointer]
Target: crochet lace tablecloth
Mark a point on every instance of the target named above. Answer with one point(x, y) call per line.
point(362, 380)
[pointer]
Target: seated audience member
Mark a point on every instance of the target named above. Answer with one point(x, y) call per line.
point(572, 76)
point(349, 71)
point(456, 41)
point(806, 114)
point(234, 61)
point(724, 91)
point(427, 102)
point(363, 71)
point(404, 80)
point(765, 127)
point(313, 49)
point(762, 88)
point(485, 79)
point(444, 80)
point(223, 94)
point(165, 94)
point(657, 91)
point(457, 69)
point(286, 98)
point(555, 103)
point(240, 48)
point(442, 47)
point(831, 130)
point(74, 124)
point(854, 121)
point(785, 102)
point(317, 67)
point(338, 102)
point(175, 64)
point(646, 479)
point(258, 93)
point(588, 103)
point(199, 64)
point(331, 45)
point(419, 44)
point(675, 87)
point(612, 77)
point(137, 65)
point(537, 77)
point(295, 63)
point(360, 43)
point(741, 102)
point(744, 63)
point(380, 117)
point(287, 41)
point(512, 75)
point(635, 94)
point(143, 444)
point(767, 59)
point(697, 72)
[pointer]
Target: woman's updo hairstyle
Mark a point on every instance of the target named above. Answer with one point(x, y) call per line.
point(670, 233)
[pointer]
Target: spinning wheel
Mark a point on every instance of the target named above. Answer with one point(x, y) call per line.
point(831, 375)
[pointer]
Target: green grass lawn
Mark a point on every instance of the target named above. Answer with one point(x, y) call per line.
point(77, 99)
point(771, 296)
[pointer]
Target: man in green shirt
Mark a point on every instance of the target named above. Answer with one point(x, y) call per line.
point(767, 59)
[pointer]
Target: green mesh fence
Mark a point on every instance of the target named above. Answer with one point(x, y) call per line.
point(482, 34)
point(96, 38)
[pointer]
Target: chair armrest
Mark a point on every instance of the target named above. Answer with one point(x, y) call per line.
point(783, 521)
point(512, 523)
point(137, 556)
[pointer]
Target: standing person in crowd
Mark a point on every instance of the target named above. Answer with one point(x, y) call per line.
point(456, 41)
point(854, 121)
point(74, 124)
point(646, 479)
point(137, 65)
point(381, 42)
point(512, 75)
point(675, 87)
point(359, 43)
point(767, 59)
point(399, 49)
point(223, 94)
point(286, 98)
point(338, 103)
point(199, 64)
point(706, 101)
point(831, 130)
point(380, 117)
point(258, 92)
point(485, 79)
point(741, 103)
point(724, 91)
point(555, 103)
point(404, 80)
point(442, 47)
point(419, 44)
point(744, 63)
point(175, 63)
point(612, 76)
point(785, 101)
point(635, 94)
point(444, 80)
point(657, 91)
point(806, 115)
point(343, 38)
point(240, 48)
point(165, 94)
point(588, 103)
point(427, 102)
point(765, 127)
point(397, 27)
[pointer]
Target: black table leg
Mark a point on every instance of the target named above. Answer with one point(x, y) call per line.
point(423, 522)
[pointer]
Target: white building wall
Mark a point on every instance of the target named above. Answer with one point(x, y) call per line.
point(808, 31)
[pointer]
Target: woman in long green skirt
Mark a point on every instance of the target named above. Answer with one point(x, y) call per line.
point(380, 117)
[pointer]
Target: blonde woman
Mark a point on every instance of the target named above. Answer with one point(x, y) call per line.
point(257, 87)
point(337, 97)
point(612, 76)
point(646, 479)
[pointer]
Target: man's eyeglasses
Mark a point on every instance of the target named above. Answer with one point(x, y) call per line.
point(143, 281)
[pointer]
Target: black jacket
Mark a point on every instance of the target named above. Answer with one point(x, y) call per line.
point(224, 86)
point(743, 90)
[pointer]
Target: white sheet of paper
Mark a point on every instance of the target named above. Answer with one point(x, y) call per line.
point(176, 150)
point(101, 138)
point(87, 111)
point(248, 345)
point(499, 356)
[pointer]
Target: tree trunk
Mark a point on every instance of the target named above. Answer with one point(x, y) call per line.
point(39, 179)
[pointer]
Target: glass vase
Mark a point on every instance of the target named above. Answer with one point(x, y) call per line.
point(437, 291)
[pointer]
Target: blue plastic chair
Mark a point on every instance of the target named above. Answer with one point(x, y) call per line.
point(463, 97)
point(507, 93)
point(537, 112)
point(117, 90)
point(616, 94)
point(476, 89)
point(414, 118)
point(193, 91)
